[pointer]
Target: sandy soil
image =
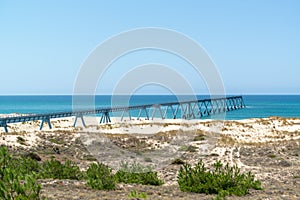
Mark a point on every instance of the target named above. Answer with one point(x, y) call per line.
point(268, 147)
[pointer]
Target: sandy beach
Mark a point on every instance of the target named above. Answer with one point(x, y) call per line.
point(239, 132)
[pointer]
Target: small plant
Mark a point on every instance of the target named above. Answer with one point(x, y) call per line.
point(21, 140)
point(199, 137)
point(100, 177)
point(272, 156)
point(189, 148)
point(147, 159)
point(136, 195)
point(192, 148)
point(183, 148)
point(223, 180)
point(89, 157)
point(136, 173)
point(56, 140)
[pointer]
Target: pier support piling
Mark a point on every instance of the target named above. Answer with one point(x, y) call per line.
point(105, 118)
point(140, 113)
point(4, 125)
point(47, 119)
point(82, 120)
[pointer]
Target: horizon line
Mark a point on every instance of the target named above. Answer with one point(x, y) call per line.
point(145, 94)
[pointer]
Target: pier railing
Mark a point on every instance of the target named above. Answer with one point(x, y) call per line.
point(185, 109)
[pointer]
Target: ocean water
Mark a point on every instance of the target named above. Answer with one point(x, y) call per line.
point(257, 106)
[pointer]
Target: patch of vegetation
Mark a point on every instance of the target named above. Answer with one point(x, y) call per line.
point(136, 195)
point(18, 175)
point(192, 148)
point(100, 177)
point(147, 159)
point(226, 140)
point(183, 148)
point(56, 170)
point(223, 180)
point(12, 187)
point(21, 140)
point(136, 173)
point(178, 161)
point(199, 137)
point(56, 141)
point(89, 157)
point(13, 184)
point(272, 156)
point(33, 156)
point(25, 166)
point(189, 148)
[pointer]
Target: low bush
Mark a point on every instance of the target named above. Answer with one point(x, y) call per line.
point(14, 184)
point(99, 176)
point(18, 175)
point(12, 187)
point(25, 166)
point(56, 170)
point(223, 180)
point(136, 173)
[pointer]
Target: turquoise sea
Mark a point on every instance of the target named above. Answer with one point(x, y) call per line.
point(258, 106)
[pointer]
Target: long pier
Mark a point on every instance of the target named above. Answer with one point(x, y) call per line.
point(174, 110)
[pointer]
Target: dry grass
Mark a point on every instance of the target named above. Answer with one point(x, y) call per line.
point(226, 140)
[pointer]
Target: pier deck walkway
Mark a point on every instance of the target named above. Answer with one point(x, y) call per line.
point(174, 110)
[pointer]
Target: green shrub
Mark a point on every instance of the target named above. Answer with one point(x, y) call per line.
point(4, 161)
point(12, 187)
point(25, 166)
point(136, 173)
point(99, 176)
point(223, 180)
point(56, 170)
point(14, 184)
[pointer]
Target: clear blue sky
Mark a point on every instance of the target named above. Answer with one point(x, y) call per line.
point(254, 44)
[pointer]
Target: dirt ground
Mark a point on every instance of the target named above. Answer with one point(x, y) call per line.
point(276, 165)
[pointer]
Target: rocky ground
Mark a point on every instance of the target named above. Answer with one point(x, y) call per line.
point(275, 163)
